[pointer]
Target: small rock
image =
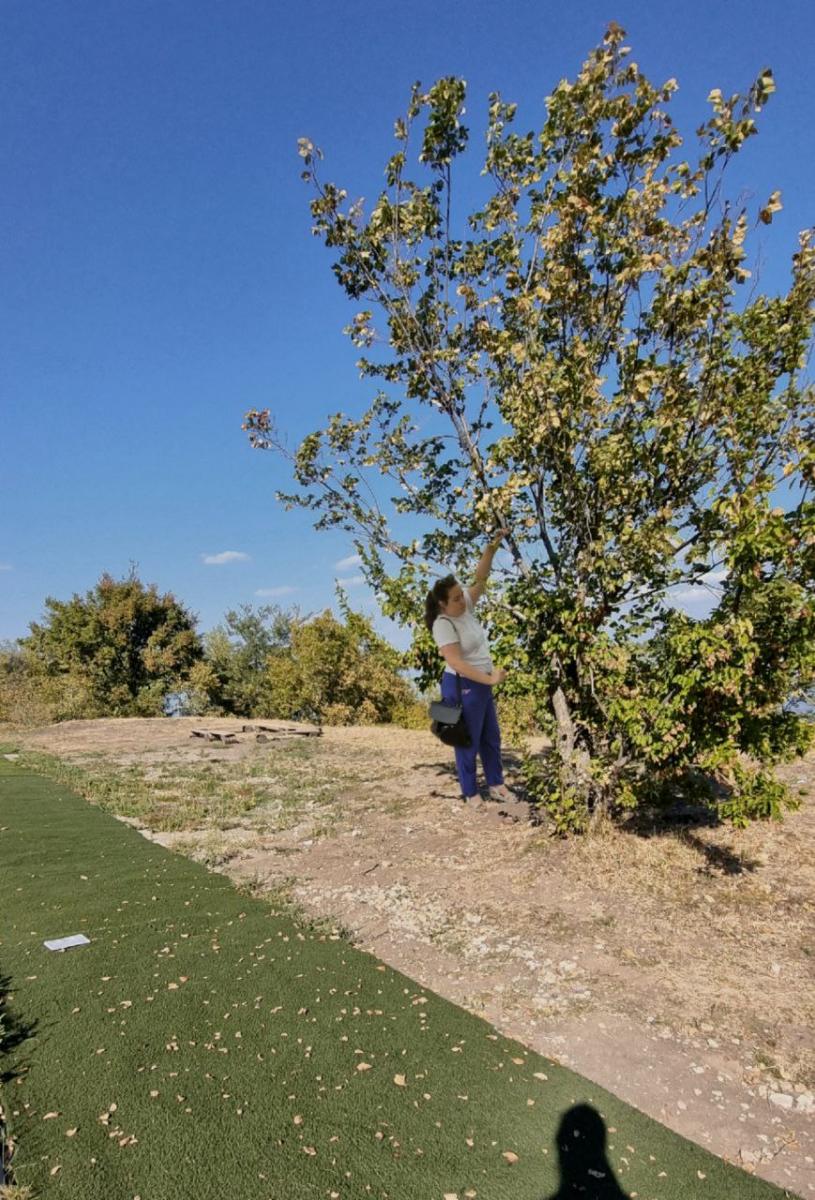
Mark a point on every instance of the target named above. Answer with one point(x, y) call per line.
point(806, 1102)
point(780, 1099)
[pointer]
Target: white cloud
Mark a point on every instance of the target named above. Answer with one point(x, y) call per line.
point(226, 556)
point(703, 588)
point(686, 594)
point(283, 590)
point(354, 581)
point(353, 560)
point(6, 567)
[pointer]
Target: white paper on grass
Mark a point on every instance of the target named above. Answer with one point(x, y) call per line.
point(76, 939)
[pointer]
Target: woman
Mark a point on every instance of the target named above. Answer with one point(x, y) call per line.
point(449, 613)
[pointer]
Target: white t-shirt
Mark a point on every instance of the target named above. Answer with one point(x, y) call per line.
point(464, 629)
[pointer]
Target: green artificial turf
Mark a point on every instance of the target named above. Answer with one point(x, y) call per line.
point(205, 1046)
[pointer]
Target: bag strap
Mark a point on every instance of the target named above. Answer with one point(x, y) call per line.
point(458, 677)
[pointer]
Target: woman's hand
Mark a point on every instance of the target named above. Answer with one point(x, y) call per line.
point(499, 537)
point(498, 675)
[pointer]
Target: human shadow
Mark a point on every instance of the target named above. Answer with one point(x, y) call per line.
point(585, 1172)
point(447, 770)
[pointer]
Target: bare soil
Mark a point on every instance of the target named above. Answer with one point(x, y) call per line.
point(675, 968)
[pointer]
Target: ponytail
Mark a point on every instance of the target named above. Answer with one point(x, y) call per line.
point(436, 597)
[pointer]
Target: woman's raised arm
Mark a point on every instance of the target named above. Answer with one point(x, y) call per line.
point(482, 571)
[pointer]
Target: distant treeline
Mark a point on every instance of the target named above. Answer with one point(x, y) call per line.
point(122, 648)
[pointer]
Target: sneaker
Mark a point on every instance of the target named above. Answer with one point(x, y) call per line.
point(501, 793)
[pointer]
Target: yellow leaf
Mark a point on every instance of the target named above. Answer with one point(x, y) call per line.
point(399, 1080)
point(510, 1156)
point(363, 1066)
point(50, 1116)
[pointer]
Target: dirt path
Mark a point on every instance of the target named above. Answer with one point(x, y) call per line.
point(676, 970)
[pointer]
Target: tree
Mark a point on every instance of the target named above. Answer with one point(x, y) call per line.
point(338, 673)
point(578, 360)
point(238, 652)
point(115, 651)
point(20, 700)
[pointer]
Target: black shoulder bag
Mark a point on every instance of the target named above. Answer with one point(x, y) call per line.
point(447, 720)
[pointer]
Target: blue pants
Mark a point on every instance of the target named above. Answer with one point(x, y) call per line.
point(481, 720)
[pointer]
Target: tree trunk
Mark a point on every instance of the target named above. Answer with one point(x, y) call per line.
point(575, 759)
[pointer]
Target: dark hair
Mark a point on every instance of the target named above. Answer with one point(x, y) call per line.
point(437, 595)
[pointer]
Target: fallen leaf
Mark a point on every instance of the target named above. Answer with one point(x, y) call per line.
point(309, 1150)
point(363, 1066)
point(540, 1075)
point(58, 1167)
point(510, 1156)
point(400, 1080)
point(298, 1120)
point(50, 1116)
point(71, 1132)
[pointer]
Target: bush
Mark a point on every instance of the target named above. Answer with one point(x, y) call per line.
point(337, 672)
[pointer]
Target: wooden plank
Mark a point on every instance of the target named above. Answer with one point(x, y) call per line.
point(289, 730)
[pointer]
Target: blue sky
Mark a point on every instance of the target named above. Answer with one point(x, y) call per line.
point(159, 277)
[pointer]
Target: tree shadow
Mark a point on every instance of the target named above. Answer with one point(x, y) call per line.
point(13, 1032)
point(719, 860)
point(671, 818)
point(585, 1172)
